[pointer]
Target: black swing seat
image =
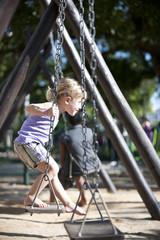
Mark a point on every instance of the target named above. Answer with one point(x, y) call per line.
point(93, 230)
point(52, 208)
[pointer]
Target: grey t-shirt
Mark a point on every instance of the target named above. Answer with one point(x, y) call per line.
point(73, 140)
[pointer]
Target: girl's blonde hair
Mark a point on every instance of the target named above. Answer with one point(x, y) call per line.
point(66, 87)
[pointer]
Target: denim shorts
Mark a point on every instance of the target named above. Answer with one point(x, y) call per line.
point(30, 153)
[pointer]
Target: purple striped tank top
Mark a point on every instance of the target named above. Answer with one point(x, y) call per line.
point(35, 129)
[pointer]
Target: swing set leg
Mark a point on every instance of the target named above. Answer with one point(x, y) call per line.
point(93, 196)
point(82, 230)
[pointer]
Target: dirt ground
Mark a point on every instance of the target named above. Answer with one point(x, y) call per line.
point(127, 210)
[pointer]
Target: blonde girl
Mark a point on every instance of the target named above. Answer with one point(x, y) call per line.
point(33, 135)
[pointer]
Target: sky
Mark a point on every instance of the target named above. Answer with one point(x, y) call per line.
point(155, 101)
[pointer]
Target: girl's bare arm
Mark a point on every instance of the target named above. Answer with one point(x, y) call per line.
point(43, 109)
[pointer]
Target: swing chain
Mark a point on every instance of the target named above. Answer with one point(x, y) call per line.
point(93, 66)
point(83, 85)
point(60, 29)
point(58, 75)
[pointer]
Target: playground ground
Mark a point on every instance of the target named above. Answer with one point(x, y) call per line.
point(128, 212)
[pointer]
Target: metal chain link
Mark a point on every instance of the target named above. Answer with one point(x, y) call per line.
point(60, 29)
point(58, 75)
point(83, 84)
point(93, 66)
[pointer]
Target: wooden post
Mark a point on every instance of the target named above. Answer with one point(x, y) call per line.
point(7, 9)
point(41, 61)
point(19, 73)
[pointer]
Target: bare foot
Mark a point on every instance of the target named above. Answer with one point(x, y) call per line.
point(38, 203)
point(79, 211)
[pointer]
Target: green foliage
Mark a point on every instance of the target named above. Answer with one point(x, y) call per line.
point(127, 34)
point(13, 43)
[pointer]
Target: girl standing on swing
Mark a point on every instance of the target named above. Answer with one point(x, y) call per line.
point(33, 135)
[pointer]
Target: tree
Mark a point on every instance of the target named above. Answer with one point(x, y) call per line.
point(127, 33)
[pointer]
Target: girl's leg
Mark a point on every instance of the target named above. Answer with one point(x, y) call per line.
point(53, 171)
point(57, 186)
point(64, 198)
point(29, 199)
